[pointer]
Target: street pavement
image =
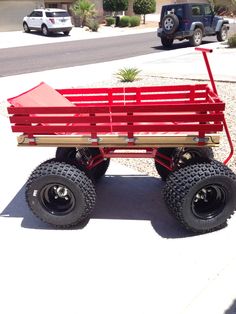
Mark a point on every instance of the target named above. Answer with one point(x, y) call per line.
point(132, 257)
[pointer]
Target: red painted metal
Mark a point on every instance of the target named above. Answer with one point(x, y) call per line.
point(204, 53)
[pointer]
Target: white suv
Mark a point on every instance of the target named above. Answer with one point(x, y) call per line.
point(48, 20)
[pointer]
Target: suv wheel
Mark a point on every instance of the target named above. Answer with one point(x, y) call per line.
point(45, 30)
point(170, 23)
point(196, 39)
point(222, 35)
point(167, 42)
point(26, 27)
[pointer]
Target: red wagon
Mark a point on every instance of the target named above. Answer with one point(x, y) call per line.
point(176, 125)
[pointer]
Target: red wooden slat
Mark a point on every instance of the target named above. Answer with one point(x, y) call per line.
point(78, 91)
point(169, 118)
point(57, 110)
point(170, 108)
point(52, 129)
point(55, 119)
point(133, 96)
point(169, 128)
point(88, 98)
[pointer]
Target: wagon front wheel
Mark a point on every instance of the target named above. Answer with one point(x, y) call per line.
point(60, 194)
point(202, 196)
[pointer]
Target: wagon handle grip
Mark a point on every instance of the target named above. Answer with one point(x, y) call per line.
point(204, 53)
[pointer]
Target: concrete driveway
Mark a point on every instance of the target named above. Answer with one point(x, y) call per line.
point(132, 257)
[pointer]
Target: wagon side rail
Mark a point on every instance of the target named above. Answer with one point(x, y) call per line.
point(156, 123)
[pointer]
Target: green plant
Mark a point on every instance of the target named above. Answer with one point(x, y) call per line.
point(93, 24)
point(110, 20)
point(127, 74)
point(144, 7)
point(124, 21)
point(134, 21)
point(232, 41)
point(84, 9)
point(115, 5)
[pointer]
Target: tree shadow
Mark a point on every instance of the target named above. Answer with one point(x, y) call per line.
point(181, 44)
point(126, 197)
point(231, 309)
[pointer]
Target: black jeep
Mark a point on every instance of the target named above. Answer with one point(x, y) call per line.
point(190, 21)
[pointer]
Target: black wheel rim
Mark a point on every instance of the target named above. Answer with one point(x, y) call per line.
point(209, 201)
point(57, 199)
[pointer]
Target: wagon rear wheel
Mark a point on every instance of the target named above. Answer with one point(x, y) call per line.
point(182, 157)
point(202, 196)
point(81, 157)
point(60, 194)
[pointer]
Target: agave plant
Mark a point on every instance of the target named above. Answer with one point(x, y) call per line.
point(128, 74)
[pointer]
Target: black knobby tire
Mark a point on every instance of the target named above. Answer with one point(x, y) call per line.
point(170, 23)
point(26, 27)
point(182, 157)
point(66, 33)
point(167, 42)
point(202, 196)
point(60, 194)
point(222, 35)
point(74, 156)
point(196, 39)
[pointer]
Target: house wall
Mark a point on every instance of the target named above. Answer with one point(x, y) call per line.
point(12, 13)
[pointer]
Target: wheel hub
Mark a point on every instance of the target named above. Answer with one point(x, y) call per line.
point(168, 24)
point(209, 202)
point(57, 199)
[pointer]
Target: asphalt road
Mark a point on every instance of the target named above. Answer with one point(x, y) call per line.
point(29, 59)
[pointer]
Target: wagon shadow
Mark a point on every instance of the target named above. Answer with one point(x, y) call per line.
point(126, 197)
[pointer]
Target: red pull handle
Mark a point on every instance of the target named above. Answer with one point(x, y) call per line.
point(203, 49)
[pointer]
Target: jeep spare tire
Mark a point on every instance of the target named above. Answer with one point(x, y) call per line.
point(170, 23)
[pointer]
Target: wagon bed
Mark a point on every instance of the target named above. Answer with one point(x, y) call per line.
point(139, 116)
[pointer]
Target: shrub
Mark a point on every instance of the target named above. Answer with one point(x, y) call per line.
point(134, 21)
point(144, 7)
point(110, 20)
point(232, 41)
point(124, 21)
point(93, 25)
point(115, 5)
point(127, 74)
point(84, 9)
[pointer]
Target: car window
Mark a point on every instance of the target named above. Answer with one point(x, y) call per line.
point(33, 14)
point(57, 14)
point(207, 10)
point(39, 14)
point(196, 9)
point(177, 10)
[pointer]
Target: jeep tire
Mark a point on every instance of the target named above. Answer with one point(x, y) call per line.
point(196, 39)
point(167, 42)
point(222, 35)
point(170, 23)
